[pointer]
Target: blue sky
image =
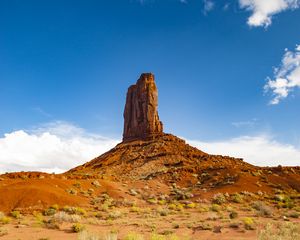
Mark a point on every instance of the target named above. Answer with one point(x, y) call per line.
point(215, 64)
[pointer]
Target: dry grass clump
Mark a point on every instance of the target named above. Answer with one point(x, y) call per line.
point(64, 217)
point(133, 236)
point(85, 235)
point(262, 209)
point(115, 214)
point(280, 231)
point(3, 231)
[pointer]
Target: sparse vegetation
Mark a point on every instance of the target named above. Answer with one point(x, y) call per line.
point(85, 235)
point(280, 231)
point(15, 214)
point(4, 219)
point(236, 198)
point(219, 199)
point(248, 223)
point(233, 215)
point(78, 227)
point(215, 208)
point(50, 211)
point(262, 209)
point(64, 217)
point(133, 236)
point(3, 231)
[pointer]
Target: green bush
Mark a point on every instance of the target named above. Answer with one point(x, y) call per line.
point(15, 214)
point(78, 227)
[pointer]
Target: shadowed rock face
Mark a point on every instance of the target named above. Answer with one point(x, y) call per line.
point(141, 119)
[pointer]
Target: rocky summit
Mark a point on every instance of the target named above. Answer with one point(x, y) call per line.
point(141, 119)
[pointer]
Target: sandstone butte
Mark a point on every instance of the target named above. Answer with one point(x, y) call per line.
point(141, 119)
point(146, 152)
point(146, 156)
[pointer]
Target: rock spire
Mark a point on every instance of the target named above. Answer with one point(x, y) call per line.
point(141, 121)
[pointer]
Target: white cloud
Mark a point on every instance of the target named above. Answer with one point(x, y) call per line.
point(263, 10)
point(208, 5)
point(259, 150)
point(59, 146)
point(286, 77)
point(54, 147)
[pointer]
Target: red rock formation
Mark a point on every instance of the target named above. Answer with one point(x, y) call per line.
point(141, 119)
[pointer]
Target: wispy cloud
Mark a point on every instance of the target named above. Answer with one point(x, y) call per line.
point(248, 123)
point(42, 112)
point(258, 150)
point(286, 76)
point(53, 147)
point(264, 10)
point(208, 5)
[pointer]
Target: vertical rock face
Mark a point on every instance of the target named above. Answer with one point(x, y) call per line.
point(141, 119)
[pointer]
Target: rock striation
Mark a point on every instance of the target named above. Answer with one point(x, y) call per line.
point(141, 120)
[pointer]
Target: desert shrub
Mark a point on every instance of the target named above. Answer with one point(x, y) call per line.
point(157, 237)
point(284, 201)
point(219, 198)
point(55, 206)
point(173, 237)
point(163, 211)
point(15, 214)
point(191, 205)
point(78, 227)
point(77, 185)
point(50, 211)
point(38, 218)
point(152, 200)
point(135, 209)
point(237, 198)
point(215, 208)
point(233, 214)
point(280, 231)
point(72, 191)
point(4, 219)
point(262, 209)
point(234, 225)
point(294, 215)
point(85, 235)
point(172, 206)
point(96, 183)
point(133, 236)
point(51, 224)
point(3, 231)
point(248, 223)
point(64, 217)
point(74, 210)
point(115, 214)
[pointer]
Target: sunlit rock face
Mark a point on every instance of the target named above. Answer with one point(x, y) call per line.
point(141, 120)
